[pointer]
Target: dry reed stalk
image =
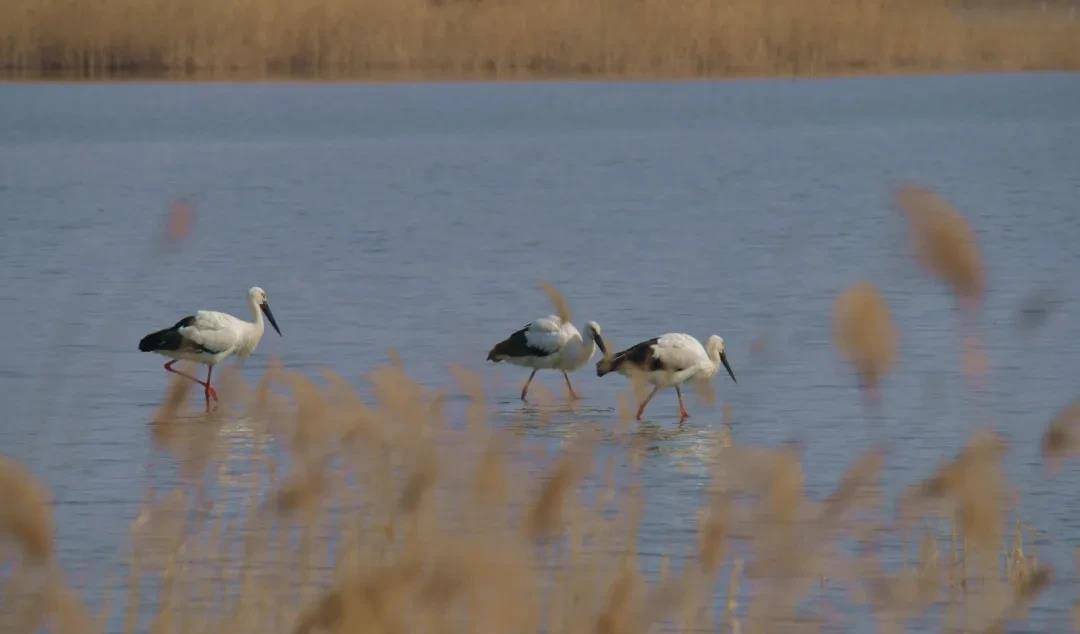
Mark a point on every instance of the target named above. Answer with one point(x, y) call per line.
point(619, 613)
point(783, 560)
point(300, 491)
point(712, 534)
point(312, 413)
point(705, 390)
point(944, 242)
point(558, 302)
point(32, 595)
point(793, 539)
point(928, 581)
point(975, 489)
point(946, 246)
point(69, 614)
point(639, 389)
point(545, 517)
point(1062, 437)
point(417, 525)
point(864, 333)
point(857, 488)
point(472, 385)
point(731, 606)
point(26, 514)
point(180, 219)
point(172, 407)
point(490, 485)
point(157, 533)
point(233, 391)
point(975, 362)
point(544, 400)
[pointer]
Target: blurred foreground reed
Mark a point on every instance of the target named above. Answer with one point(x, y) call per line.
point(448, 39)
point(338, 515)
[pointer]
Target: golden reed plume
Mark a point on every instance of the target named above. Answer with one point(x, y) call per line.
point(864, 333)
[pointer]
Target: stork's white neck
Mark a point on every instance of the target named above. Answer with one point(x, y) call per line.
point(257, 315)
point(255, 329)
point(713, 350)
point(581, 348)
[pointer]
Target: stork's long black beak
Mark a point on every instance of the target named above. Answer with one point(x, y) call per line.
point(270, 315)
point(600, 343)
point(723, 358)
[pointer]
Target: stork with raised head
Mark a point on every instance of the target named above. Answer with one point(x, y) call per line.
point(549, 343)
point(666, 361)
point(209, 337)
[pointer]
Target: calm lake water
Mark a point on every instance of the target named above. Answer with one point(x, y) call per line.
point(421, 217)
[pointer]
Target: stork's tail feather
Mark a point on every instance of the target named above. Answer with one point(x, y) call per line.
point(496, 355)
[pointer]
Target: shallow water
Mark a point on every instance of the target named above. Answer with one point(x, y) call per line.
point(421, 217)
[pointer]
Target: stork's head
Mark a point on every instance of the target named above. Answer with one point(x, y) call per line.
point(716, 347)
point(258, 296)
point(592, 330)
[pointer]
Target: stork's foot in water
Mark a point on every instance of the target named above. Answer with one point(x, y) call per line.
point(525, 388)
point(573, 395)
point(641, 408)
point(208, 390)
point(211, 395)
point(683, 414)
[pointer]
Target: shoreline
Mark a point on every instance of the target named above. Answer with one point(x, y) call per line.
point(463, 79)
point(456, 41)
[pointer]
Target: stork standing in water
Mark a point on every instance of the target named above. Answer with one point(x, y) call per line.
point(666, 361)
point(549, 343)
point(209, 337)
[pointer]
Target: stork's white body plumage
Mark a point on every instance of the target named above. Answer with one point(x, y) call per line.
point(682, 358)
point(218, 336)
point(549, 343)
point(669, 361)
point(560, 342)
point(209, 337)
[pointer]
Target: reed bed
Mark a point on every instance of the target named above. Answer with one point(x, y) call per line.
point(337, 515)
point(458, 39)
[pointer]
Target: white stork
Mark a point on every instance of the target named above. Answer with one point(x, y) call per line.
point(666, 361)
point(549, 343)
point(209, 337)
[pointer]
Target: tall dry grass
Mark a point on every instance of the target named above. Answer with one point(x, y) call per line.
point(525, 38)
point(338, 515)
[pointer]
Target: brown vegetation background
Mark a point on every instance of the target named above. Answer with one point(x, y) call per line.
point(459, 39)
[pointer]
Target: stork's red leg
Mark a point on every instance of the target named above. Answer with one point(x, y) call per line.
point(168, 367)
point(208, 391)
point(683, 414)
point(641, 408)
point(525, 389)
point(211, 393)
point(573, 394)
